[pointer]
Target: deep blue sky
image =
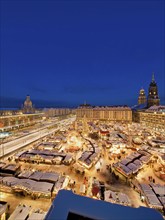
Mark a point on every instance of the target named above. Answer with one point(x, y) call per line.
point(64, 52)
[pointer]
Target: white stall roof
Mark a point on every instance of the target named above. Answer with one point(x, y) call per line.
point(131, 157)
point(137, 162)
point(135, 154)
point(26, 183)
point(153, 200)
point(125, 169)
point(123, 198)
point(159, 190)
point(20, 153)
point(58, 186)
point(36, 175)
point(162, 199)
point(145, 186)
point(145, 159)
point(82, 188)
point(48, 176)
point(47, 157)
point(25, 174)
point(21, 212)
point(9, 180)
point(37, 216)
point(132, 167)
point(11, 167)
point(42, 187)
point(110, 196)
point(125, 161)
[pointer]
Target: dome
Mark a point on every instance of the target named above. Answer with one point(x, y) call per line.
point(142, 92)
point(28, 102)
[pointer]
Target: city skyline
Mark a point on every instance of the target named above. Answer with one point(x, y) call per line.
point(15, 102)
point(63, 53)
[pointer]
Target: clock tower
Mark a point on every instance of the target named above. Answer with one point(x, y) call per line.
point(153, 97)
point(142, 97)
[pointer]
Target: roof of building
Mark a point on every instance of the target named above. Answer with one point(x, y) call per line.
point(139, 107)
point(113, 107)
point(67, 202)
point(37, 216)
point(21, 212)
point(3, 207)
point(159, 108)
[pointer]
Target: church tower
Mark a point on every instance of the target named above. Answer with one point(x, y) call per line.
point(142, 97)
point(28, 107)
point(153, 98)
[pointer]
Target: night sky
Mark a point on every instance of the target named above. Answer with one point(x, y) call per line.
point(62, 53)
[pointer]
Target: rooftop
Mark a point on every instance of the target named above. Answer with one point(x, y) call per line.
point(160, 108)
point(69, 204)
point(104, 107)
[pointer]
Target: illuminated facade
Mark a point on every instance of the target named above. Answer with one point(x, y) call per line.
point(10, 112)
point(19, 118)
point(150, 113)
point(112, 113)
point(142, 97)
point(28, 107)
point(153, 97)
point(154, 118)
point(10, 122)
point(51, 112)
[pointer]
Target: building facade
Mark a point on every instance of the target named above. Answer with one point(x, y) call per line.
point(11, 122)
point(112, 113)
point(153, 117)
point(52, 112)
point(142, 97)
point(28, 107)
point(10, 112)
point(11, 119)
point(153, 97)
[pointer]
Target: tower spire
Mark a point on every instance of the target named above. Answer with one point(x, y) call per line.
point(153, 97)
point(153, 77)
